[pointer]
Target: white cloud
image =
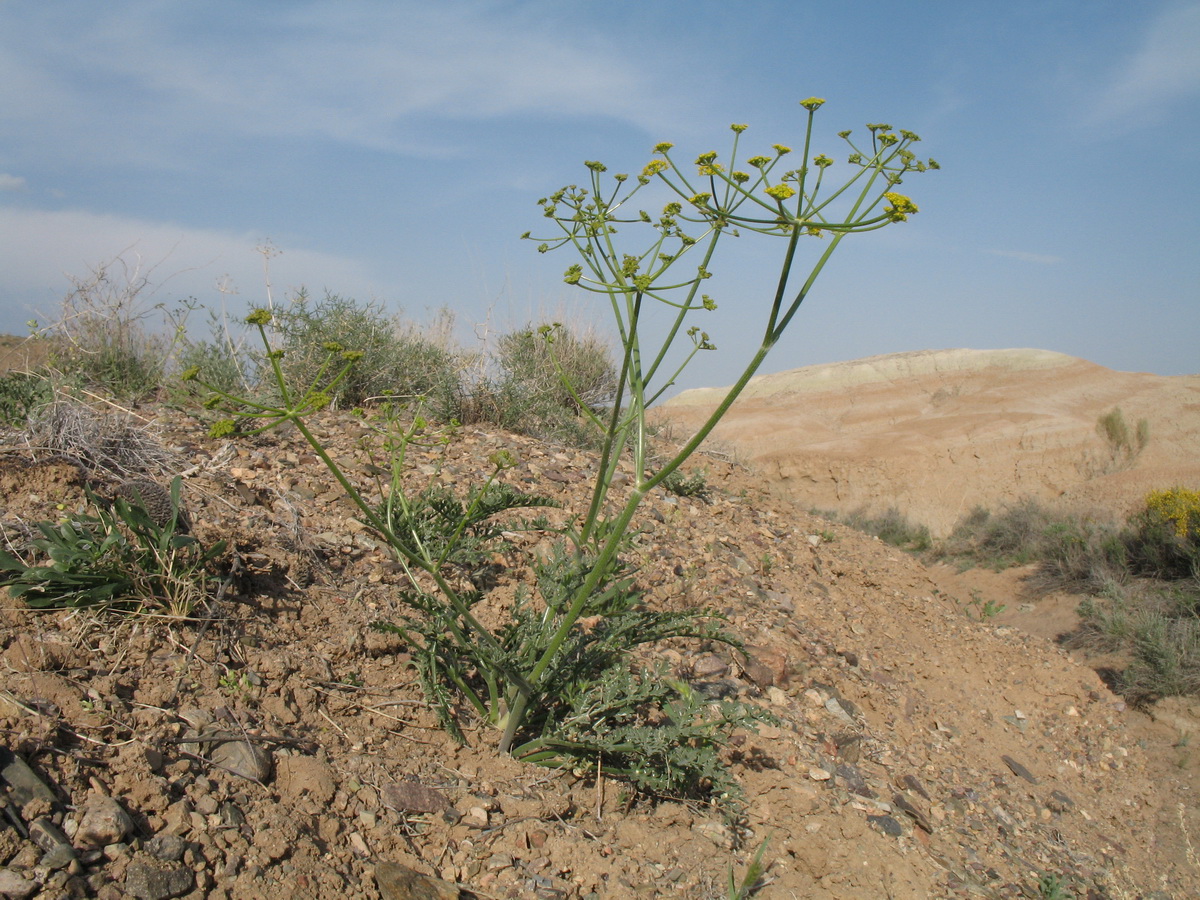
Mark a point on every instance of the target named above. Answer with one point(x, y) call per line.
point(11, 182)
point(1040, 258)
point(42, 250)
point(1164, 70)
point(364, 72)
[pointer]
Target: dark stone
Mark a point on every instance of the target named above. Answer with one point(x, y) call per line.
point(1019, 770)
point(167, 847)
point(23, 784)
point(156, 880)
point(887, 825)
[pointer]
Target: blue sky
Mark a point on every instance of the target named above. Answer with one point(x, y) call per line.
point(395, 151)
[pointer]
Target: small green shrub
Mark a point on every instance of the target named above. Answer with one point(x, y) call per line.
point(223, 355)
point(892, 527)
point(397, 359)
point(1124, 444)
point(550, 380)
point(1166, 658)
point(21, 395)
point(117, 558)
point(565, 367)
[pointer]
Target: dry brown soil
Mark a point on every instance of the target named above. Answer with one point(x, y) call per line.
point(937, 433)
point(920, 753)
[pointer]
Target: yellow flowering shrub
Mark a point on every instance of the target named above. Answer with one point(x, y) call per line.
point(1178, 506)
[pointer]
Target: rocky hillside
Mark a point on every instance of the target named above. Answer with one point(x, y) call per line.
point(275, 745)
point(937, 433)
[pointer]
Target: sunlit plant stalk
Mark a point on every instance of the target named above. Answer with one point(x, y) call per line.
point(718, 199)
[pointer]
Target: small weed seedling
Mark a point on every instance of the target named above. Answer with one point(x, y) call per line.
point(984, 609)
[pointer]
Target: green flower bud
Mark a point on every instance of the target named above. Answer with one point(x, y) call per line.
point(221, 429)
point(596, 166)
point(739, 177)
point(781, 149)
point(191, 374)
point(259, 317)
point(812, 103)
point(332, 347)
point(699, 199)
point(708, 302)
point(781, 192)
point(758, 161)
point(352, 356)
point(738, 129)
point(573, 274)
point(822, 161)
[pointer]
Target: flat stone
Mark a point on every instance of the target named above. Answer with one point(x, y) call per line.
point(58, 857)
point(244, 759)
point(166, 846)
point(1019, 770)
point(16, 886)
point(412, 796)
point(397, 882)
point(47, 835)
point(709, 666)
point(156, 880)
point(887, 825)
point(23, 784)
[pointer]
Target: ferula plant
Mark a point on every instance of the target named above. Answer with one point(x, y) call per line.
point(760, 194)
point(557, 679)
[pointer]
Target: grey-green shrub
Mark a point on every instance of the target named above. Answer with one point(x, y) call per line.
point(525, 392)
point(397, 359)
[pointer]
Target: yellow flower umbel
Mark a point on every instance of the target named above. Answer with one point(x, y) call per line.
point(901, 207)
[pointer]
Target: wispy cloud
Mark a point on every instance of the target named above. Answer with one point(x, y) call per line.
point(364, 72)
point(43, 250)
point(1163, 70)
point(1024, 256)
point(11, 182)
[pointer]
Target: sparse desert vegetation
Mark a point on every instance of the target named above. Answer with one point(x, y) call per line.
point(1140, 578)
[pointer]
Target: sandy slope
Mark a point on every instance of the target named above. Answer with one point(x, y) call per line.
point(937, 433)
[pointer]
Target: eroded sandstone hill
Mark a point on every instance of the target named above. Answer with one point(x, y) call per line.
point(936, 433)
